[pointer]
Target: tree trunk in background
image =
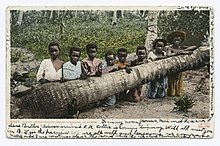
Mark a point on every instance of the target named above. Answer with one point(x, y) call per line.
point(151, 29)
point(51, 100)
point(114, 18)
point(58, 13)
point(51, 14)
point(76, 12)
point(20, 17)
point(143, 14)
point(122, 14)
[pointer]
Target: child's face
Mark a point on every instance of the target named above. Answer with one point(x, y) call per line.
point(176, 41)
point(122, 56)
point(110, 60)
point(75, 57)
point(54, 52)
point(159, 47)
point(141, 54)
point(92, 53)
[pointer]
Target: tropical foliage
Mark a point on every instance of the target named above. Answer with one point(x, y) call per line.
point(194, 23)
point(184, 103)
point(35, 29)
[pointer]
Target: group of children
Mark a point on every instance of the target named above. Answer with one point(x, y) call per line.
point(54, 69)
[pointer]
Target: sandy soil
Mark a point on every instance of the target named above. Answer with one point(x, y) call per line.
point(160, 108)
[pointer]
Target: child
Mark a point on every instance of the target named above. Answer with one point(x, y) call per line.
point(122, 64)
point(175, 80)
point(141, 54)
point(157, 87)
point(91, 66)
point(50, 69)
point(134, 94)
point(109, 66)
point(72, 69)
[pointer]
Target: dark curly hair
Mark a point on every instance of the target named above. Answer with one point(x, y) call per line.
point(74, 49)
point(159, 40)
point(141, 48)
point(122, 50)
point(91, 46)
point(109, 52)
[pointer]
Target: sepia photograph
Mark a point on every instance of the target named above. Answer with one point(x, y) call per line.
point(110, 72)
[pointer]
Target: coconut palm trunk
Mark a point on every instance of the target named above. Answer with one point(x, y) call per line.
point(20, 17)
point(51, 100)
point(114, 18)
point(151, 29)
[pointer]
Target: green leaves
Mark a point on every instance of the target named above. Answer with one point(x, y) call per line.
point(78, 28)
point(194, 22)
point(38, 30)
point(183, 103)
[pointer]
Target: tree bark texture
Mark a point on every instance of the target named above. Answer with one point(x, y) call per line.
point(114, 18)
point(51, 100)
point(20, 17)
point(151, 29)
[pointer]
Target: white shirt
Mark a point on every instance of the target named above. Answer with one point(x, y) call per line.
point(71, 71)
point(48, 69)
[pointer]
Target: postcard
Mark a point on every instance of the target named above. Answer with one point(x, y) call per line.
point(110, 72)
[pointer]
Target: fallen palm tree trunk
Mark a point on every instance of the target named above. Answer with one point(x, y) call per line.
point(51, 100)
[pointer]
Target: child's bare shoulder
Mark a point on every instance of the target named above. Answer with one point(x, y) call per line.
point(84, 60)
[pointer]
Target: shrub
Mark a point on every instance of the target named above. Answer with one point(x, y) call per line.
point(183, 103)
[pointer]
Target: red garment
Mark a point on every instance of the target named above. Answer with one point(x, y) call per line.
point(121, 65)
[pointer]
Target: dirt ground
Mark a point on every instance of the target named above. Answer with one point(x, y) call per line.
point(160, 108)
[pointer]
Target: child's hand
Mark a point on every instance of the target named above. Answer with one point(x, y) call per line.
point(98, 74)
point(62, 80)
point(143, 82)
point(113, 70)
point(82, 76)
point(179, 52)
point(189, 52)
point(128, 70)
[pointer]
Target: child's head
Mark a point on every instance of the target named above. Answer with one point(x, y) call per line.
point(74, 54)
point(122, 55)
point(91, 50)
point(110, 58)
point(54, 50)
point(176, 38)
point(159, 45)
point(141, 52)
